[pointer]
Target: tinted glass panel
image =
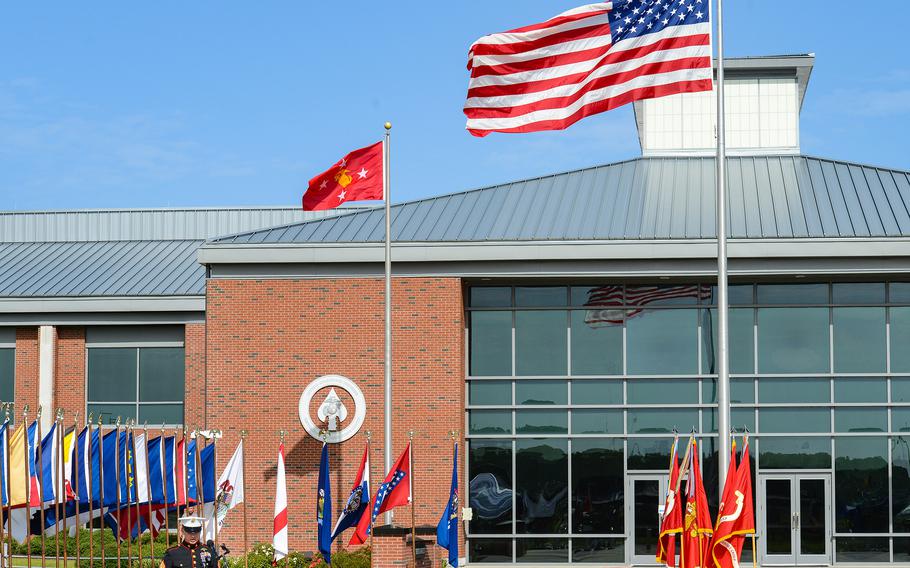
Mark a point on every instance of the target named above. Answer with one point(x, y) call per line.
point(646, 499)
point(859, 293)
point(859, 340)
point(901, 548)
point(662, 342)
point(739, 418)
point(491, 297)
point(742, 390)
point(610, 295)
point(861, 485)
point(900, 419)
point(597, 421)
point(7, 374)
point(792, 294)
point(899, 293)
point(542, 483)
point(778, 514)
point(596, 392)
point(784, 420)
point(900, 389)
point(541, 343)
point(161, 371)
point(813, 510)
point(597, 486)
point(660, 391)
point(741, 345)
point(112, 375)
point(542, 550)
point(489, 549)
point(795, 453)
point(737, 295)
point(794, 390)
point(678, 295)
point(659, 420)
point(491, 486)
point(856, 389)
point(541, 421)
point(541, 392)
point(161, 413)
point(540, 296)
point(900, 483)
point(793, 340)
point(491, 343)
point(596, 344)
point(491, 422)
point(649, 453)
point(609, 550)
point(900, 338)
point(108, 413)
point(490, 392)
point(868, 549)
point(860, 420)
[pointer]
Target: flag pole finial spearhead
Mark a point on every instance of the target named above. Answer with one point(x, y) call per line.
point(388, 125)
point(243, 434)
point(89, 418)
point(38, 415)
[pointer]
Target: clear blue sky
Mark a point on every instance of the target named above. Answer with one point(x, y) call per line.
point(204, 103)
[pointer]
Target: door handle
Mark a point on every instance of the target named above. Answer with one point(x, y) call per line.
point(796, 517)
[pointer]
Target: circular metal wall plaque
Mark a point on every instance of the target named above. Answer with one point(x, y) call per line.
point(332, 412)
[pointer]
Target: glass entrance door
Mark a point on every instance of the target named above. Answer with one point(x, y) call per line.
point(794, 527)
point(647, 492)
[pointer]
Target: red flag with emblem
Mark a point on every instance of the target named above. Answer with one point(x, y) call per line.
point(671, 521)
point(736, 517)
point(356, 177)
point(697, 529)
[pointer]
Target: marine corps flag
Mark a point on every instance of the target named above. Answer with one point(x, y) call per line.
point(356, 177)
point(697, 530)
point(736, 516)
point(671, 522)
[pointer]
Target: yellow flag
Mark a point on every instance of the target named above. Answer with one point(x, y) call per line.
point(18, 469)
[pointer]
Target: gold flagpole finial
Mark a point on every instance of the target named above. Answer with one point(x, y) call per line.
point(281, 434)
point(38, 415)
point(243, 434)
point(8, 409)
point(88, 419)
point(119, 420)
point(388, 125)
point(369, 434)
point(410, 434)
point(59, 416)
point(100, 419)
point(76, 419)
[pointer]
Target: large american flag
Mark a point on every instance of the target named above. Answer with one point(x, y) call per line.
point(588, 60)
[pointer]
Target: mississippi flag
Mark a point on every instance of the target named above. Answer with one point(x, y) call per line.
point(356, 177)
point(588, 60)
point(280, 534)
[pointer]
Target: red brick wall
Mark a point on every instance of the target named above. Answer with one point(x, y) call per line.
point(194, 352)
point(69, 372)
point(268, 339)
point(26, 387)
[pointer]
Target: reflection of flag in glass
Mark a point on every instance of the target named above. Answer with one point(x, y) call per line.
point(608, 305)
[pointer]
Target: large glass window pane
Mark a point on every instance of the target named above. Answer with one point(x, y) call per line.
point(737, 295)
point(600, 550)
point(542, 484)
point(490, 422)
point(741, 343)
point(793, 340)
point(541, 392)
point(112, 375)
point(492, 550)
point(489, 393)
point(662, 391)
point(859, 293)
point(679, 295)
point(860, 419)
point(795, 453)
point(742, 391)
point(861, 485)
point(596, 344)
point(608, 296)
point(649, 453)
point(900, 419)
point(861, 550)
point(108, 412)
point(662, 342)
point(901, 548)
point(859, 340)
point(542, 550)
point(541, 296)
point(491, 343)
point(900, 389)
point(899, 292)
point(793, 294)
point(161, 413)
point(597, 421)
point(7, 374)
point(161, 374)
point(786, 420)
point(794, 390)
point(596, 392)
point(900, 339)
point(491, 297)
point(860, 389)
point(540, 342)
point(597, 486)
point(541, 421)
point(660, 420)
point(490, 487)
point(900, 483)
point(739, 418)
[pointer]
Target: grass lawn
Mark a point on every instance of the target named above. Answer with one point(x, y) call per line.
point(36, 562)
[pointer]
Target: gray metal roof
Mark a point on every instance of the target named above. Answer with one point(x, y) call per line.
point(641, 199)
point(107, 268)
point(145, 224)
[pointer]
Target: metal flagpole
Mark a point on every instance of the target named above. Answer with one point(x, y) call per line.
point(723, 371)
point(148, 492)
point(129, 468)
point(167, 513)
point(246, 562)
point(28, 486)
point(386, 193)
point(6, 481)
point(215, 435)
point(117, 479)
point(77, 454)
point(413, 498)
point(58, 472)
point(89, 484)
point(101, 504)
point(9, 484)
point(200, 481)
point(38, 440)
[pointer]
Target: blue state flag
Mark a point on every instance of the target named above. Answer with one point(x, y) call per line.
point(447, 529)
point(324, 507)
point(207, 468)
point(191, 471)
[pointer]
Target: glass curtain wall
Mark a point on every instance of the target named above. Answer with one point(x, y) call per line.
point(574, 390)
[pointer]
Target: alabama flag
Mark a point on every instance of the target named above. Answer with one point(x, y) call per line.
point(355, 177)
point(280, 534)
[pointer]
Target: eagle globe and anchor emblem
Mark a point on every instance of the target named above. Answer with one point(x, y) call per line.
point(334, 426)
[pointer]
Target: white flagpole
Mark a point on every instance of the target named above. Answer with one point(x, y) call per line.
point(723, 370)
point(386, 193)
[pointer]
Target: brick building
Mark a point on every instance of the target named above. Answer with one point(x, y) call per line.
point(562, 325)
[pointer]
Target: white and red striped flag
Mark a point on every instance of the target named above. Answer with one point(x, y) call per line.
point(585, 61)
point(280, 534)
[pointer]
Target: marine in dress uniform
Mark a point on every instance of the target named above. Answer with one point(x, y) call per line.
point(190, 553)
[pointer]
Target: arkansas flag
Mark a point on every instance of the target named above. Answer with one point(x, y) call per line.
point(736, 516)
point(357, 504)
point(396, 489)
point(356, 177)
point(697, 530)
point(671, 523)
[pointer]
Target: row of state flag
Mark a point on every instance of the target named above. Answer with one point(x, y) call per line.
point(69, 477)
point(360, 510)
point(703, 543)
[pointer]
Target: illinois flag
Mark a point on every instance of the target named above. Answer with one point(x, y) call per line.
point(736, 516)
point(355, 177)
point(671, 523)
